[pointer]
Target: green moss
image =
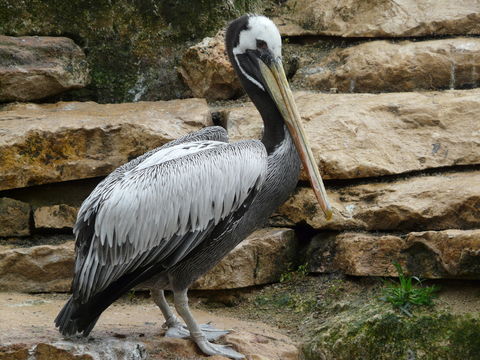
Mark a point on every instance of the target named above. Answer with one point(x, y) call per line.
point(298, 303)
point(343, 318)
point(132, 46)
point(207, 15)
point(376, 332)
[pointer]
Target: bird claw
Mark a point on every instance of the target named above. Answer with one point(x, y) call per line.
point(212, 333)
point(180, 331)
point(213, 349)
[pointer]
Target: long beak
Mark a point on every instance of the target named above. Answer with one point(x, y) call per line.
point(279, 90)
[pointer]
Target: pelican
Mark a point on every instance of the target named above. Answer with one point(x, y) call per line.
point(171, 214)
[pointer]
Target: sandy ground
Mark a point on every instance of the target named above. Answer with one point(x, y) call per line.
point(25, 316)
point(28, 319)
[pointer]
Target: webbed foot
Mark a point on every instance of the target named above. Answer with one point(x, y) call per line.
point(214, 349)
point(179, 330)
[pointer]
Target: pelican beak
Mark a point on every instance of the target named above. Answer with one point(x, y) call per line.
point(278, 88)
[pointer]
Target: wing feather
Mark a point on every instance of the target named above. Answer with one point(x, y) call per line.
point(102, 191)
point(159, 211)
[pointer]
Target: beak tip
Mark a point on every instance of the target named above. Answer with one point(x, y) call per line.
point(328, 214)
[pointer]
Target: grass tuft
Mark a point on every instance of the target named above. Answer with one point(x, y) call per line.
point(294, 274)
point(406, 294)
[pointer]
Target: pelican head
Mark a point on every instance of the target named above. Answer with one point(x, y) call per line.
point(254, 46)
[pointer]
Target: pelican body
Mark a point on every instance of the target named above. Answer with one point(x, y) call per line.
point(170, 215)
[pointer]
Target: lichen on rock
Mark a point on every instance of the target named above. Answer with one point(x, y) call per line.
point(64, 141)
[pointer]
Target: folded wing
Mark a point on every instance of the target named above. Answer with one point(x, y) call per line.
point(158, 210)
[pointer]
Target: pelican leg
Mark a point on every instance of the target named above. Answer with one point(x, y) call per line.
point(196, 333)
point(173, 326)
point(171, 320)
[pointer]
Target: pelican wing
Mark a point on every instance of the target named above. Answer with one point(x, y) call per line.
point(161, 208)
point(102, 191)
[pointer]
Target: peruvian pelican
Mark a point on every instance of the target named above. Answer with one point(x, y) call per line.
point(171, 214)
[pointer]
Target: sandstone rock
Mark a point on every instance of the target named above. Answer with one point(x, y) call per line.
point(366, 135)
point(14, 218)
point(40, 268)
point(71, 140)
point(380, 66)
point(55, 217)
point(242, 122)
point(288, 26)
point(112, 349)
point(304, 54)
point(14, 352)
point(133, 47)
point(429, 254)
point(52, 352)
point(34, 67)
point(208, 72)
point(380, 18)
point(165, 348)
point(260, 259)
point(435, 202)
point(254, 346)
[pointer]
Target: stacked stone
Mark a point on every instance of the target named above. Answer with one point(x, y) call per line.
point(44, 147)
point(401, 159)
point(33, 68)
point(402, 168)
point(388, 90)
point(417, 149)
point(403, 182)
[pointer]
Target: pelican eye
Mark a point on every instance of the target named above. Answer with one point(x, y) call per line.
point(261, 44)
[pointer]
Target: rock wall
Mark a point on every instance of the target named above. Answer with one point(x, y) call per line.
point(381, 66)
point(132, 47)
point(388, 92)
point(380, 18)
point(390, 110)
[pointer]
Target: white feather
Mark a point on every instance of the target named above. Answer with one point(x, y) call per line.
point(259, 28)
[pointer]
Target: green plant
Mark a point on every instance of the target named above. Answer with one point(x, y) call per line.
point(294, 274)
point(302, 303)
point(406, 294)
point(335, 288)
point(131, 296)
point(299, 303)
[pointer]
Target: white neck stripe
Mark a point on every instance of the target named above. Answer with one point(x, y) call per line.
point(246, 74)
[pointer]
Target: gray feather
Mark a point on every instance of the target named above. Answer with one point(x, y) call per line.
point(162, 205)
